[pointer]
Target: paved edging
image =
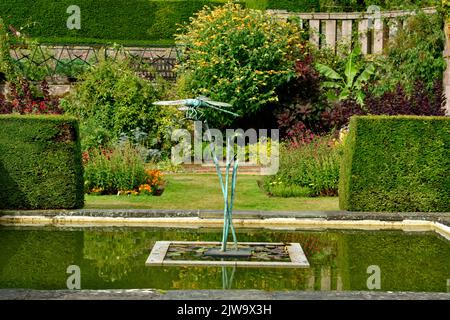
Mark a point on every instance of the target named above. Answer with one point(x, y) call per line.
point(443, 217)
point(152, 294)
point(196, 222)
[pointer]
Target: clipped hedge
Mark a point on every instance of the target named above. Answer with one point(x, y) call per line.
point(102, 19)
point(40, 163)
point(396, 163)
point(294, 5)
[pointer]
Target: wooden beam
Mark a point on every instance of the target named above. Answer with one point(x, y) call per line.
point(363, 26)
point(314, 29)
point(330, 33)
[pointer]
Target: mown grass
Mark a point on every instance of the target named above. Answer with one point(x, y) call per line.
point(202, 192)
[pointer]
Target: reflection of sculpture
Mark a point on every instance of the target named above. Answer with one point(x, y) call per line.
point(193, 109)
point(227, 281)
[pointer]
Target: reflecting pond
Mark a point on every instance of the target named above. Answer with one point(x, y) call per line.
point(114, 258)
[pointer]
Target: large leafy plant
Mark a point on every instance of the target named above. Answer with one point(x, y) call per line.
point(351, 83)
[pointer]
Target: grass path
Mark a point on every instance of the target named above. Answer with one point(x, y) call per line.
point(202, 192)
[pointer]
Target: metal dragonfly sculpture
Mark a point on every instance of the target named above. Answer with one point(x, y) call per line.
point(194, 111)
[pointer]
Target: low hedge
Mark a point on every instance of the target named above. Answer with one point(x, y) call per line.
point(102, 19)
point(396, 163)
point(295, 5)
point(40, 163)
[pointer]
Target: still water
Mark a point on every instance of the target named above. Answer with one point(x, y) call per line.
point(114, 258)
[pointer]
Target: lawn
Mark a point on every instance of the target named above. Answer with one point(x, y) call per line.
point(201, 191)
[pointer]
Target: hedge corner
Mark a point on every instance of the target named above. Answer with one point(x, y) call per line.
point(396, 164)
point(40, 163)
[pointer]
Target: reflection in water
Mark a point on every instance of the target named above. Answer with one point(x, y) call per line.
point(114, 258)
point(227, 280)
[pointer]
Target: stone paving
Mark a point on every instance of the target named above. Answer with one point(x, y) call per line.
point(150, 294)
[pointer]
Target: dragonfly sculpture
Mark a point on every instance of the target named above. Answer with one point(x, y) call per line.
point(194, 109)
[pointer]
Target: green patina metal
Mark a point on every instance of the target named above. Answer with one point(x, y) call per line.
point(193, 109)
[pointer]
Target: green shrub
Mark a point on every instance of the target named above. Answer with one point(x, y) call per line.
point(295, 5)
point(290, 191)
point(148, 21)
point(109, 171)
point(111, 100)
point(396, 163)
point(40, 163)
point(311, 169)
point(415, 54)
point(7, 68)
point(239, 56)
point(71, 68)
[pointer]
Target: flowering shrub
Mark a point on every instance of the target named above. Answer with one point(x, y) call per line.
point(239, 56)
point(120, 171)
point(24, 100)
point(308, 169)
point(297, 134)
point(154, 182)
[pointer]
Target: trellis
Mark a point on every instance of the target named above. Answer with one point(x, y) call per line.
point(47, 58)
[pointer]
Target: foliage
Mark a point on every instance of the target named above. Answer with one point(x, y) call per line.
point(347, 5)
point(119, 171)
point(7, 70)
point(40, 163)
point(24, 100)
point(415, 54)
point(239, 56)
point(421, 102)
point(71, 68)
point(304, 109)
point(295, 5)
point(111, 100)
point(37, 64)
point(397, 164)
point(349, 85)
point(102, 19)
point(301, 99)
point(310, 169)
point(147, 21)
point(278, 189)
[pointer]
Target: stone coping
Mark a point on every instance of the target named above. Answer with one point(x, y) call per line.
point(291, 224)
point(157, 256)
point(153, 294)
point(443, 217)
point(282, 220)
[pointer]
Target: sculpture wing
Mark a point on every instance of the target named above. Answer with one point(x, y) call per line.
point(170, 103)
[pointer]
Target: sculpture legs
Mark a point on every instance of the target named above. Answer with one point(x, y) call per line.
point(228, 197)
